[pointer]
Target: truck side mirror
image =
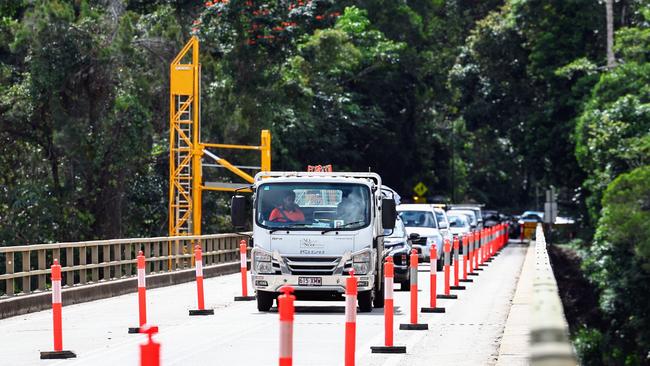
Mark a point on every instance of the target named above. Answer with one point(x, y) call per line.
point(388, 214)
point(238, 211)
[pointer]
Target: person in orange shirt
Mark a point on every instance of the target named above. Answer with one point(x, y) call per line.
point(288, 211)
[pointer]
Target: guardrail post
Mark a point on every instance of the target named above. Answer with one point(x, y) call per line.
point(41, 266)
point(26, 268)
point(94, 259)
point(156, 255)
point(82, 262)
point(69, 262)
point(10, 270)
point(117, 257)
point(106, 257)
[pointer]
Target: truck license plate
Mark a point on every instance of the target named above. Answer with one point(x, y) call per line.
point(310, 281)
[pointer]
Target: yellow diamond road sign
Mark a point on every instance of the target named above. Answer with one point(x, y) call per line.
point(420, 189)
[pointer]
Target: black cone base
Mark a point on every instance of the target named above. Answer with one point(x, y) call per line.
point(388, 349)
point(202, 312)
point(134, 330)
point(414, 326)
point(442, 296)
point(472, 274)
point(457, 287)
point(432, 310)
point(482, 265)
point(244, 298)
point(480, 269)
point(57, 355)
point(466, 280)
point(489, 260)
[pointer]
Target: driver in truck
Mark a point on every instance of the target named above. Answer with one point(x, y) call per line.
point(288, 211)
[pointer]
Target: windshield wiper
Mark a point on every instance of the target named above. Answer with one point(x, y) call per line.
point(344, 225)
point(286, 228)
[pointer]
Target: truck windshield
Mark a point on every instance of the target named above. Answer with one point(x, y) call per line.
point(418, 219)
point(313, 206)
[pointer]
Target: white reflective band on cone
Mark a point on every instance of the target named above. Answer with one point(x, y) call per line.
point(199, 268)
point(388, 290)
point(433, 265)
point(56, 292)
point(286, 339)
point(414, 275)
point(141, 280)
point(350, 308)
point(243, 260)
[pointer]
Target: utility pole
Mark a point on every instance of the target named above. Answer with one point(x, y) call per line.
point(453, 170)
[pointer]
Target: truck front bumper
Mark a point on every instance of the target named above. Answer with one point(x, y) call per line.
point(332, 283)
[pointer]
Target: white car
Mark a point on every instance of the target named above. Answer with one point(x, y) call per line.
point(459, 224)
point(421, 219)
point(470, 214)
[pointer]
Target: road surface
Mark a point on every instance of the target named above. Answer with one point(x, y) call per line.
point(469, 333)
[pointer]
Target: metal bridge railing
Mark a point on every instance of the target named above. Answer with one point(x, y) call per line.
point(27, 268)
point(549, 331)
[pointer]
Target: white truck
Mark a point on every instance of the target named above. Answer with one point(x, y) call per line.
point(310, 229)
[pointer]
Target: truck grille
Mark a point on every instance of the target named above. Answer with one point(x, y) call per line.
point(323, 266)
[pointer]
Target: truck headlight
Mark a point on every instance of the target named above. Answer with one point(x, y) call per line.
point(262, 262)
point(262, 257)
point(361, 263)
point(263, 267)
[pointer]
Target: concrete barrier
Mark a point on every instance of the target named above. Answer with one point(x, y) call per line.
point(549, 332)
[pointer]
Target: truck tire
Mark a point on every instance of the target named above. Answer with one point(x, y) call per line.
point(439, 264)
point(364, 299)
point(405, 285)
point(265, 300)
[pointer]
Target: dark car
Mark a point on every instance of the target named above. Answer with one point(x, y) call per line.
point(491, 218)
point(397, 245)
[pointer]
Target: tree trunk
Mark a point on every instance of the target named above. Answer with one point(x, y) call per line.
point(611, 61)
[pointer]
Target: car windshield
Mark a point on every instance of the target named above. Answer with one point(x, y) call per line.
point(468, 213)
point(418, 219)
point(313, 206)
point(457, 220)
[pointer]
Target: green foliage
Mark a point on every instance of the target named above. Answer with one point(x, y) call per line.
point(613, 131)
point(619, 263)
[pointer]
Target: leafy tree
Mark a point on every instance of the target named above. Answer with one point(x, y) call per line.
point(619, 263)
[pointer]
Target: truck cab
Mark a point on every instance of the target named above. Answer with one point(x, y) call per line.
point(310, 229)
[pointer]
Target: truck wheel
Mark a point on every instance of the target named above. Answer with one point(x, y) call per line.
point(439, 264)
point(265, 300)
point(406, 285)
point(365, 301)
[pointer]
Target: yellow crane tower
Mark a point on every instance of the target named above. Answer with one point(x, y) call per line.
point(186, 151)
